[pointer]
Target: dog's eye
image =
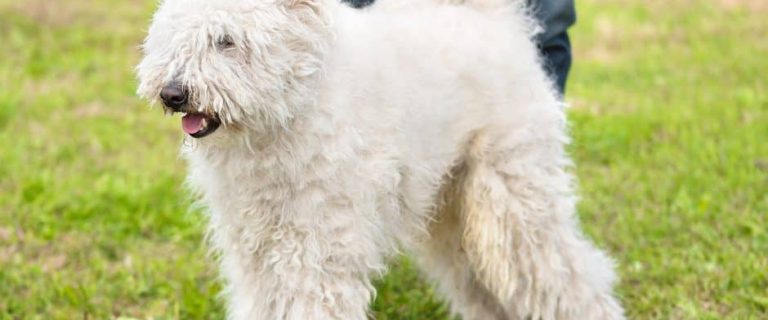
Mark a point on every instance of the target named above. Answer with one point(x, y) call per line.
point(225, 42)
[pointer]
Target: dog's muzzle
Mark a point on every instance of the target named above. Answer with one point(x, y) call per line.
point(175, 97)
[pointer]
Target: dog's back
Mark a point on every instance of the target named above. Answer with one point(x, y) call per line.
point(438, 72)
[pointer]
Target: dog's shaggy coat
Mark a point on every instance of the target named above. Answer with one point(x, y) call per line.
point(347, 135)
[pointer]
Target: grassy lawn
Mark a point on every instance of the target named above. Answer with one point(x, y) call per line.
point(670, 120)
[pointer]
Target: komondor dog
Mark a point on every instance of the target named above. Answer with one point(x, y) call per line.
point(324, 140)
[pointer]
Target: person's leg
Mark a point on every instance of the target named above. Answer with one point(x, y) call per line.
point(556, 52)
point(555, 16)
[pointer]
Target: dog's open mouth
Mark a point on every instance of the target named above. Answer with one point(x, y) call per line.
point(199, 125)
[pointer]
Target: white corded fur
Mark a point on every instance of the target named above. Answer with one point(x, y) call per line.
point(350, 134)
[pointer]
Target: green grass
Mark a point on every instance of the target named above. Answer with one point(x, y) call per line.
point(670, 122)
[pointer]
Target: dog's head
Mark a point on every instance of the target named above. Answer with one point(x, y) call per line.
point(232, 65)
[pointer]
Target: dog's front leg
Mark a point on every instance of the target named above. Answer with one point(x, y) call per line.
point(314, 265)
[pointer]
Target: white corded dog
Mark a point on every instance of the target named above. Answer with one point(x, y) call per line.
point(324, 139)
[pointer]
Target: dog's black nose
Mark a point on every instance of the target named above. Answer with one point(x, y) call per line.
point(174, 96)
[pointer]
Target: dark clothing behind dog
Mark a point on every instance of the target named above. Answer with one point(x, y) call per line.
point(555, 16)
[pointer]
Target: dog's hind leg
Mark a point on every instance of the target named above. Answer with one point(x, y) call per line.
point(519, 230)
point(444, 261)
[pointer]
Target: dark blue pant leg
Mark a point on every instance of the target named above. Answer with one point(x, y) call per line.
point(555, 16)
point(556, 52)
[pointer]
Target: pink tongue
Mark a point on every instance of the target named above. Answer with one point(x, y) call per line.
point(192, 123)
